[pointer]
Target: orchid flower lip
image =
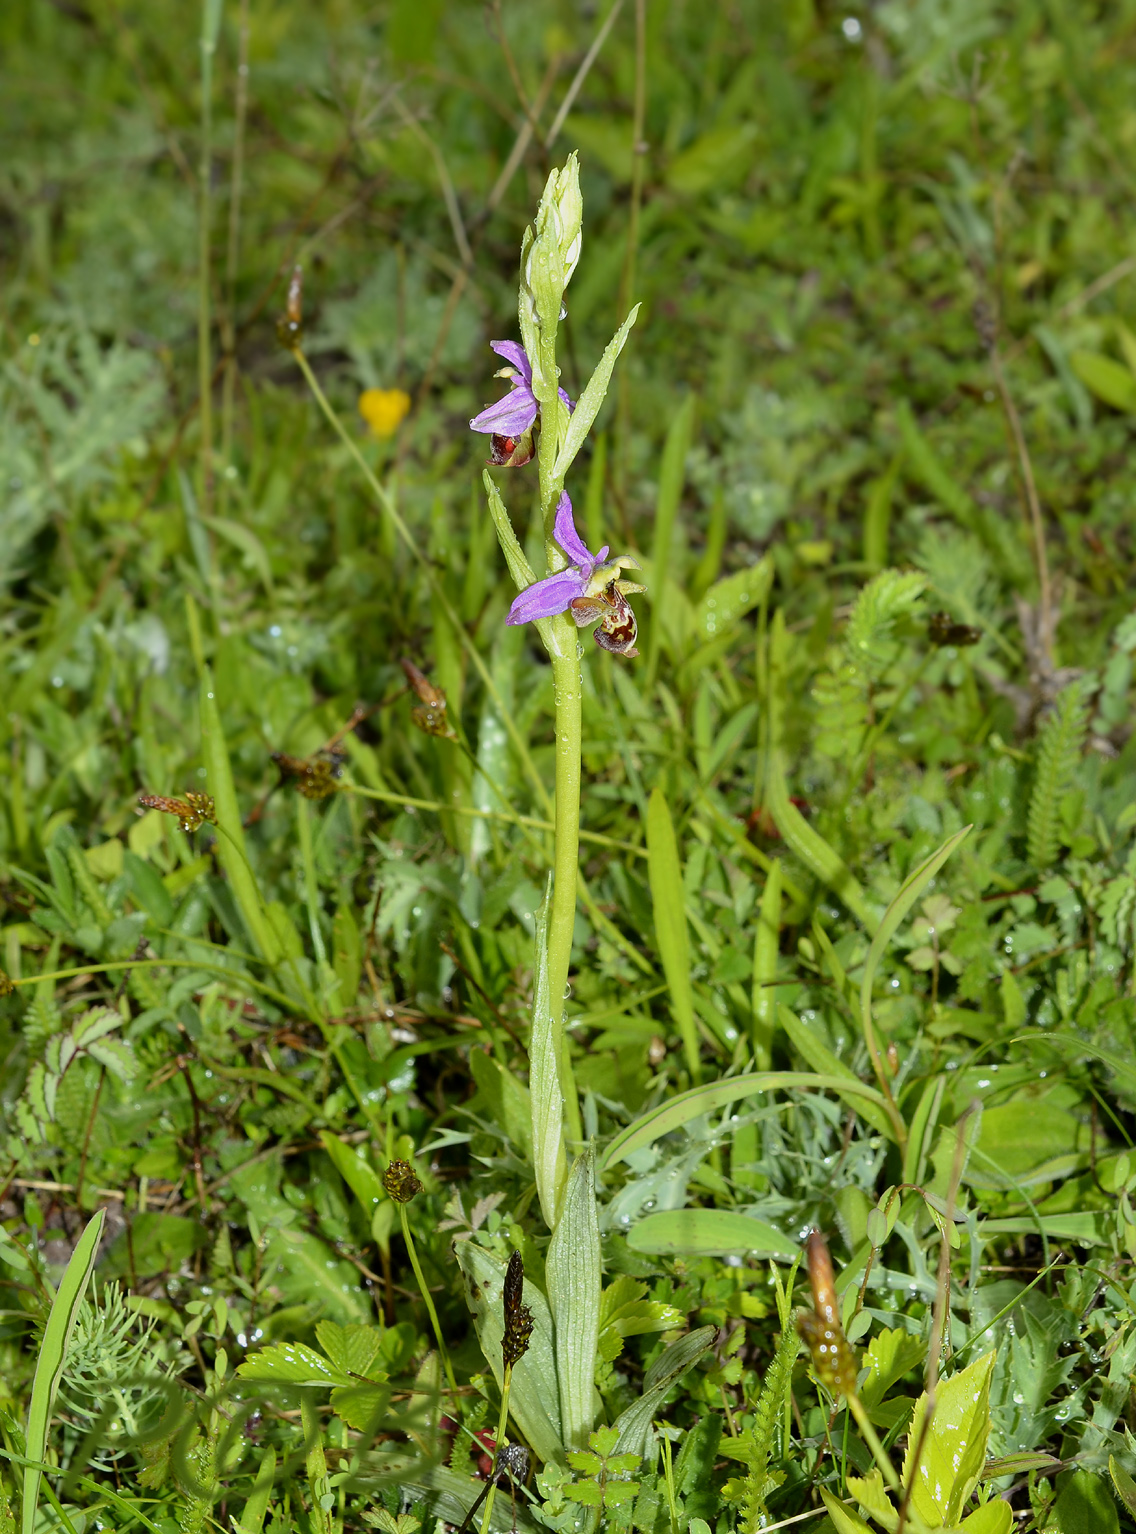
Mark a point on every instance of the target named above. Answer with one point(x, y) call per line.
point(590, 588)
point(516, 412)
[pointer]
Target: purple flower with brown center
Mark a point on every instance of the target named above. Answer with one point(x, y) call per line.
point(591, 589)
point(511, 420)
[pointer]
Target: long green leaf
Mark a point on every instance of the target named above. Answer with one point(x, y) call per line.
point(252, 1514)
point(634, 1424)
point(672, 472)
point(677, 1111)
point(231, 851)
point(708, 1232)
point(588, 405)
point(550, 1163)
point(534, 1398)
point(574, 1272)
point(909, 892)
point(765, 950)
point(826, 1063)
point(664, 873)
point(52, 1357)
point(812, 849)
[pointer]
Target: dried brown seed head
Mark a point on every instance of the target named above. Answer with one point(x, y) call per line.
point(7, 984)
point(193, 810)
point(290, 325)
point(833, 1359)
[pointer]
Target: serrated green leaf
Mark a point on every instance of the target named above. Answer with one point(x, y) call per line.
point(952, 1450)
point(116, 1056)
point(292, 1363)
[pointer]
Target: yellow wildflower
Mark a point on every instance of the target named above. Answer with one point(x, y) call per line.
point(384, 409)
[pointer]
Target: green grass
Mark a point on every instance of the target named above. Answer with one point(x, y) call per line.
point(887, 287)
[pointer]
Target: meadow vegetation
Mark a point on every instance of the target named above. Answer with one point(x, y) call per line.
point(341, 1142)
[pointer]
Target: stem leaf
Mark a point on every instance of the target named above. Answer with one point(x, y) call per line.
point(588, 405)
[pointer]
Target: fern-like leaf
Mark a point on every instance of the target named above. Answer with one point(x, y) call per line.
point(1058, 753)
point(869, 638)
point(760, 1481)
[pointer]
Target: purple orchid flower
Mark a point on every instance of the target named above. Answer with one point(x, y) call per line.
point(592, 588)
point(516, 414)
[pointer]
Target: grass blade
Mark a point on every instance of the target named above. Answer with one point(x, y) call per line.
point(677, 1111)
point(52, 1356)
point(672, 473)
point(765, 950)
point(231, 853)
point(574, 1273)
point(664, 873)
point(912, 887)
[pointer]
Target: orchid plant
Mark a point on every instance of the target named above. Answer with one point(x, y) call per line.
point(536, 418)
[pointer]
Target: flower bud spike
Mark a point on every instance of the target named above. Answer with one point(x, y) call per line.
point(400, 1182)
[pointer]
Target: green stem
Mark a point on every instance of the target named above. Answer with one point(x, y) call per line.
point(566, 856)
point(412, 1253)
point(204, 319)
point(855, 1406)
point(502, 1421)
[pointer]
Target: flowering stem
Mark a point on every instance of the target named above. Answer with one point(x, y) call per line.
point(561, 638)
point(412, 1253)
point(502, 1421)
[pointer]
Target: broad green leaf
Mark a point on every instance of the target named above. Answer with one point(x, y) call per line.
point(355, 1170)
point(534, 1400)
point(705, 1232)
point(588, 405)
point(1110, 381)
point(845, 1520)
point(732, 597)
point(870, 1493)
point(993, 1517)
point(291, 1363)
point(361, 1406)
point(352, 1349)
point(245, 540)
point(507, 1100)
point(550, 1162)
point(1085, 1506)
point(664, 873)
point(677, 1111)
point(952, 1450)
point(307, 1271)
point(890, 1355)
point(574, 1274)
point(715, 159)
point(50, 1359)
point(634, 1424)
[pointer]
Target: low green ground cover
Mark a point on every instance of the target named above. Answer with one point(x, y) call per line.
point(294, 1085)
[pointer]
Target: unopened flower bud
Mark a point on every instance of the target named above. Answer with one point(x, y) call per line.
point(551, 256)
point(834, 1362)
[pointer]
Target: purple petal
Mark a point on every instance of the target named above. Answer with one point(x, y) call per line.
point(571, 403)
point(509, 417)
point(547, 598)
point(514, 353)
point(564, 531)
point(603, 553)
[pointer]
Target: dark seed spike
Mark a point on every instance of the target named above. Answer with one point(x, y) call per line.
point(518, 1316)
